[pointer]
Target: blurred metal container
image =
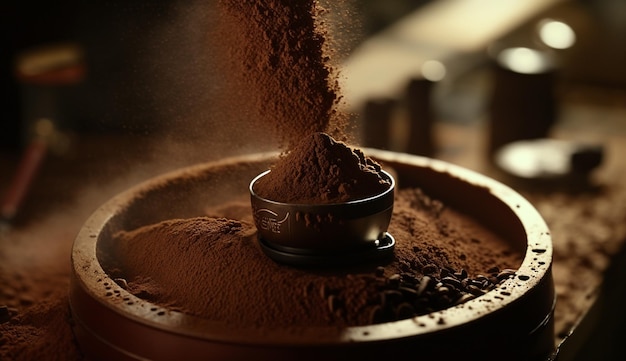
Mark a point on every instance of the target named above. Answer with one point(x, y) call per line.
point(522, 104)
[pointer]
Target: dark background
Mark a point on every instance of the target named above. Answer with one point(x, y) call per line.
point(128, 46)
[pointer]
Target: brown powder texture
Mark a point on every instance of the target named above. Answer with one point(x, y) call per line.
point(42, 333)
point(213, 268)
point(322, 170)
point(34, 282)
point(278, 66)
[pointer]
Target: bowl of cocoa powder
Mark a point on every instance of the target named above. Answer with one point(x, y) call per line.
point(323, 203)
point(172, 269)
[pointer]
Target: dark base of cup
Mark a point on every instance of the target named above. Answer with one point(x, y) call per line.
point(382, 248)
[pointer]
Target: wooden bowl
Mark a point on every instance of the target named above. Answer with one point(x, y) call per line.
point(513, 321)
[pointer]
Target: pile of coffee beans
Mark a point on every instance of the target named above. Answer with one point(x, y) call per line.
point(404, 295)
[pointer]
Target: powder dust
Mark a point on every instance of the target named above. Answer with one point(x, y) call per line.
point(34, 283)
point(35, 269)
point(279, 67)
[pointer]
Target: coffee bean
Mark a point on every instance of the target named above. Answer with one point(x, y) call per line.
point(405, 295)
point(451, 282)
point(376, 315)
point(444, 272)
point(409, 278)
point(405, 266)
point(430, 269)
point(409, 293)
point(421, 304)
point(464, 298)
point(395, 277)
point(122, 283)
point(476, 291)
point(394, 280)
point(461, 275)
point(404, 310)
point(393, 297)
point(416, 264)
point(505, 274)
point(443, 301)
point(424, 283)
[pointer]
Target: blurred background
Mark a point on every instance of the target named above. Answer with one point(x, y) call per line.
point(126, 47)
point(145, 67)
point(103, 94)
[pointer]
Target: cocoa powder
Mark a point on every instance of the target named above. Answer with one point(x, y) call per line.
point(322, 170)
point(213, 268)
point(279, 68)
point(34, 283)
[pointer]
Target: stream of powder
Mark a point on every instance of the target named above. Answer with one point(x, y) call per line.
point(279, 68)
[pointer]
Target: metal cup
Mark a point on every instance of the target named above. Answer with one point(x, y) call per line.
point(324, 233)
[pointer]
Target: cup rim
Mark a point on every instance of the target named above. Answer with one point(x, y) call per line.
point(305, 206)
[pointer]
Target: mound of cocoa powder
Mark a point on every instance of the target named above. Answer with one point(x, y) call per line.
point(212, 267)
point(322, 170)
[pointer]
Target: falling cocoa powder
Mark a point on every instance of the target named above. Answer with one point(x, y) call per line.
point(213, 268)
point(279, 66)
point(322, 170)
